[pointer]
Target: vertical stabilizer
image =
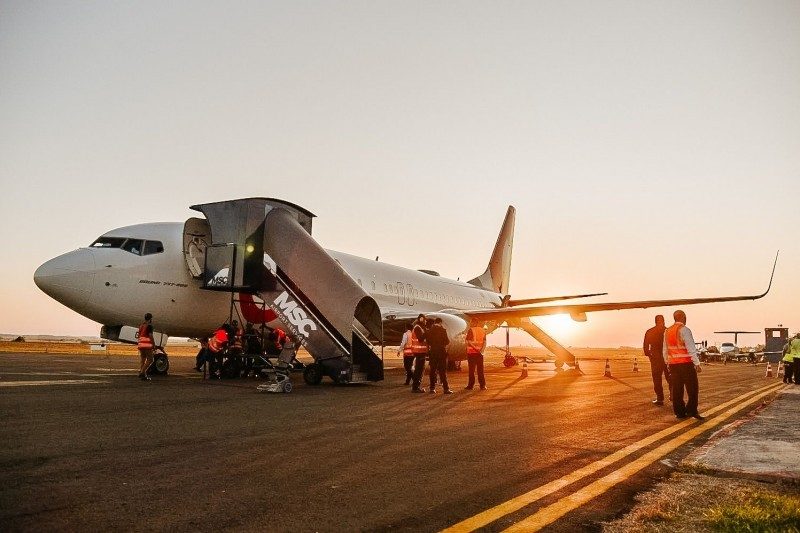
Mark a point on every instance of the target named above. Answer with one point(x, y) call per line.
point(498, 273)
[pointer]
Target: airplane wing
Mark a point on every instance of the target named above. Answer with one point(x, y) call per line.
point(529, 301)
point(578, 311)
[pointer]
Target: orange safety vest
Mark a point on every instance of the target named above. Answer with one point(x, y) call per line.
point(417, 346)
point(217, 341)
point(676, 349)
point(408, 348)
point(281, 338)
point(475, 345)
point(145, 339)
point(237, 339)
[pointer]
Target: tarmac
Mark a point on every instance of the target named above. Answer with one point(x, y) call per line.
point(87, 446)
point(764, 445)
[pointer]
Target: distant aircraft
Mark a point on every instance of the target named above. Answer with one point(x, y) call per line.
point(731, 349)
point(255, 259)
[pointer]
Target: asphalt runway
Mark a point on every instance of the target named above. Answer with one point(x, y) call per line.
point(88, 446)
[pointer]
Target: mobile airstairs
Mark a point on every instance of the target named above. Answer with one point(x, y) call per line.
point(263, 247)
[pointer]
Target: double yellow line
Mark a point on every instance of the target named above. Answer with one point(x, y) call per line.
point(553, 512)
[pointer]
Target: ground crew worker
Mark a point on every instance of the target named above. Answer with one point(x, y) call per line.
point(238, 333)
point(476, 343)
point(276, 342)
point(437, 342)
point(216, 348)
point(405, 349)
point(146, 344)
point(680, 353)
point(791, 361)
point(653, 345)
point(420, 349)
point(201, 354)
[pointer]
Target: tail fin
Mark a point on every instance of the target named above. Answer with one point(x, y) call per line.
point(498, 274)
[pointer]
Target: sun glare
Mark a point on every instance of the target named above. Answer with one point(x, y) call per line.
point(559, 326)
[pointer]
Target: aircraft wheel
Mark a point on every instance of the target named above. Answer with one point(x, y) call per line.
point(160, 365)
point(509, 361)
point(312, 374)
point(453, 366)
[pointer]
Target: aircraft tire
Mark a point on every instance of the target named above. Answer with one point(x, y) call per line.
point(160, 365)
point(287, 386)
point(312, 374)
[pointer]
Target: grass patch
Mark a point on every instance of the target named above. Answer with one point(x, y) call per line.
point(756, 513)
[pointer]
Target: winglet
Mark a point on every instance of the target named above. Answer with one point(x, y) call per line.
point(775, 264)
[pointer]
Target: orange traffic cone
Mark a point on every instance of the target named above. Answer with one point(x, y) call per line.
point(635, 365)
point(524, 370)
point(780, 369)
point(607, 372)
point(769, 370)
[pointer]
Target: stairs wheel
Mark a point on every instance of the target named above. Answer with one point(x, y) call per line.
point(312, 374)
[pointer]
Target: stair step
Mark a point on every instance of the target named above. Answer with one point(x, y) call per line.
point(359, 377)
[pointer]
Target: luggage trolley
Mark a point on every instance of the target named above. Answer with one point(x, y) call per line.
point(277, 373)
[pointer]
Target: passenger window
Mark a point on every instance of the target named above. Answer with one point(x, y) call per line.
point(153, 247)
point(133, 246)
point(108, 242)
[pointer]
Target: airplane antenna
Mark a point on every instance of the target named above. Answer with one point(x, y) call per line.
point(376, 257)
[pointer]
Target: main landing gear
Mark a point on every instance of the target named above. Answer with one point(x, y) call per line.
point(160, 365)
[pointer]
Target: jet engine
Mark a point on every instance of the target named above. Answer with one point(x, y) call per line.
point(457, 328)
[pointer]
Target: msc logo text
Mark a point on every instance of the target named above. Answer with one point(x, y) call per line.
point(296, 315)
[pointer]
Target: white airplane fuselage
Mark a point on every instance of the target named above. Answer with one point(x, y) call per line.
point(113, 286)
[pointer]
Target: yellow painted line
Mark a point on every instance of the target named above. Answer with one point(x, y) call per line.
point(517, 503)
point(54, 382)
point(553, 512)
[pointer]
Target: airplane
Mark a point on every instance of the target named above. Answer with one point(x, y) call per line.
point(731, 349)
point(165, 268)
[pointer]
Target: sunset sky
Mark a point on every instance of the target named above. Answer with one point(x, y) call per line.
point(652, 149)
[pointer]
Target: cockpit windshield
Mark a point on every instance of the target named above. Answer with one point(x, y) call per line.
point(134, 246)
point(108, 242)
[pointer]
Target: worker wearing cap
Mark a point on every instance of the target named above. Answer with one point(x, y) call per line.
point(146, 344)
point(680, 353)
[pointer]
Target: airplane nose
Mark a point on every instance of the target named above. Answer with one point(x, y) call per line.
point(67, 278)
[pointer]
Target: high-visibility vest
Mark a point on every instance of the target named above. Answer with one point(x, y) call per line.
point(417, 346)
point(794, 351)
point(280, 340)
point(676, 348)
point(408, 347)
point(217, 341)
point(145, 338)
point(475, 345)
point(237, 339)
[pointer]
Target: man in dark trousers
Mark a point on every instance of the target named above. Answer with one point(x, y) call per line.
point(419, 348)
point(680, 353)
point(653, 346)
point(437, 342)
point(476, 343)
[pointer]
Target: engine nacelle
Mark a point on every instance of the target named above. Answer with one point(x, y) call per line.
point(457, 328)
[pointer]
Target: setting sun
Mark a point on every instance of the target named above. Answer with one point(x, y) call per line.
point(562, 327)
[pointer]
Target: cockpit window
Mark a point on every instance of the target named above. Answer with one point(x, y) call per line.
point(108, 242)
point(153, 247)
point(133, 246)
